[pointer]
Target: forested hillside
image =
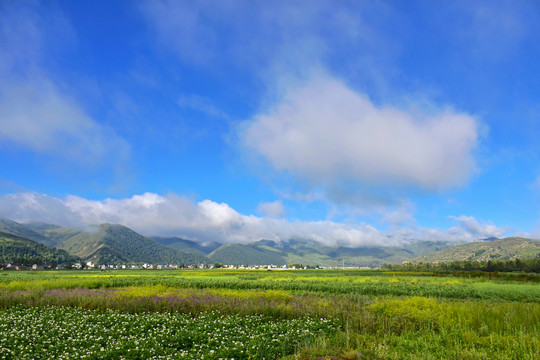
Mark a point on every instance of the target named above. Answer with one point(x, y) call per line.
point(22, 230)
point(21, 251)
point(117, 244)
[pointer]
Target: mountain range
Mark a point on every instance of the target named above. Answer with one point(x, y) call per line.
point(102, 244)
point(299, 251)
point(499, 249)
point(117, 244)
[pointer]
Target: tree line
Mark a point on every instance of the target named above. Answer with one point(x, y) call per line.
point(23, 252)
point(531, 265)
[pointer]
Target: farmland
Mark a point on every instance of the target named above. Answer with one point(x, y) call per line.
point(256, 314)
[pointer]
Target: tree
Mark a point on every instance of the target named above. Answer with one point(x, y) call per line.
point(519, 265)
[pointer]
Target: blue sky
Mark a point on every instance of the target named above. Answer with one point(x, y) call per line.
point(351, 122)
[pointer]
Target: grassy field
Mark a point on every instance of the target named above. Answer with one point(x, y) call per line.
point(259, 314)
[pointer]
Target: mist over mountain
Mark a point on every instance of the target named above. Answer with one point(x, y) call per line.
point(171, 215)
point(118, 244)
point(105, 244)
point(188, 245)
point(24, 231)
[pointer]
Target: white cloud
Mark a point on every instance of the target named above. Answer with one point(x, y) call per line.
point(36, 116)
point(272, 209)
point(173, 215)
point(36, 112)
point(482, 229)
point(327, 133)
point(468, 229)
point(152, 214)
point(38, 207)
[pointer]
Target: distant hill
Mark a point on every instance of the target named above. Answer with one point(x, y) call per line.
point(16, 249)
point(108, 244)
point(14, 228)
point(308, 252)
point(54, 234)
point(117, 244)
point(502, 249)
point(247, 255)
point(301, 251)
point(187, 245)
point(372, 256)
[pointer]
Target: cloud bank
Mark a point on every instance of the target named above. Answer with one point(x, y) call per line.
point(173, 215)
point(328, 134)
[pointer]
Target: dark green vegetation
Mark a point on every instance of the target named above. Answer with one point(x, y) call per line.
point(24, 231)
point(20, 251)
point(500, 249)
point(527, 265)
point(378, 314)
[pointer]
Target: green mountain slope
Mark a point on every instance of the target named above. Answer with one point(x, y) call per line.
point(117, 244)
point(501, 249)
point(312, 253)
point(187, 245)
point(54, 233)
point(308, 252)
point(14, 228)
point(16, 249)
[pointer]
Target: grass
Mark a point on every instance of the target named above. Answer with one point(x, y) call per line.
point(329, 282)
point(380, 315)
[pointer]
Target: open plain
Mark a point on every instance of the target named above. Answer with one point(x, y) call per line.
point(260, 314)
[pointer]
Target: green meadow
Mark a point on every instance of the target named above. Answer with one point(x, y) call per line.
point(261, 314)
